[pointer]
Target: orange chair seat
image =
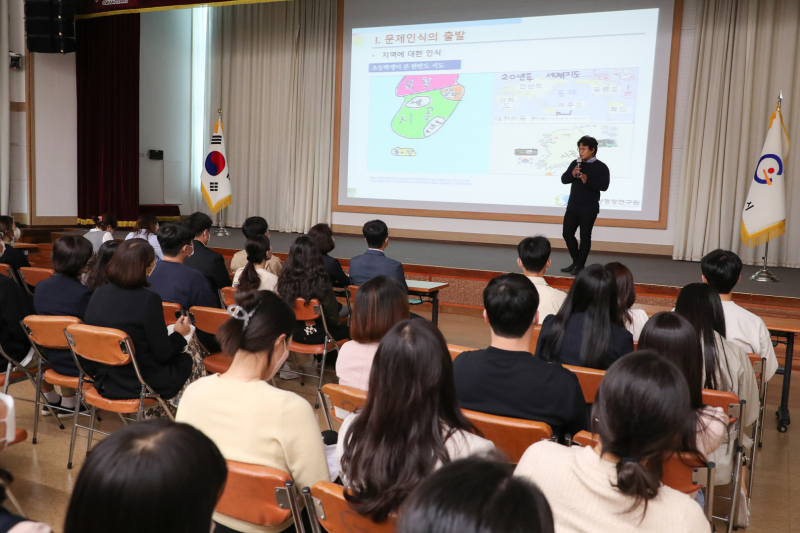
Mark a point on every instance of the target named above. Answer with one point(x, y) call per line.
point(54, 378)
point(14, 376)
point(93, 398)
point(217, 363)
point(20, 435)
point(314, 348)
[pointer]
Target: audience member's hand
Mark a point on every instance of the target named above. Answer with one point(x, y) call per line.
point(183, 326)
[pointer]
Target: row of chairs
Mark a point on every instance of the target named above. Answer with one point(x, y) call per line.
point(28, 276)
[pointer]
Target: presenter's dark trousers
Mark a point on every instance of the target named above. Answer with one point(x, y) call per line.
point(572, 221)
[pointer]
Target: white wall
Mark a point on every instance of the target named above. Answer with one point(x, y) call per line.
point(18, 201)
point(56, 128)
point(601, 233)
point(165, 106)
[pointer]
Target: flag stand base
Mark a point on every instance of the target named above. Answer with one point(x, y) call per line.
point(221, 231)
point(764, 274)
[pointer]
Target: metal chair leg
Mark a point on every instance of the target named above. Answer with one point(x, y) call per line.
point(75, 415)
point(311, 510)
point(709, 504)
point(14, 501)
point(321, 400)
point(295, 508)
point(736, 489)
point(297, 367)
point(36, 402)
point(322, 372)
point(8, 379)
point(140, 410)
point(91, 429)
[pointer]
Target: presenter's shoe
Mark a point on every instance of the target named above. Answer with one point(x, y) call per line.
point(577, 269)
point(569, 268)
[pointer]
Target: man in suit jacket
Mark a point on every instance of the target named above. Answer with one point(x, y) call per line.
point(207, 262)
point(374, 262)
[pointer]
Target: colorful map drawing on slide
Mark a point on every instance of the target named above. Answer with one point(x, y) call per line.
point(429, 100)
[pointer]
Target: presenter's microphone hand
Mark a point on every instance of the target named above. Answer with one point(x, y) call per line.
point(576, 172)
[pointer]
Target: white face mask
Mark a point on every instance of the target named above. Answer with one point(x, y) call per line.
point(8, 419)
point(17, 233)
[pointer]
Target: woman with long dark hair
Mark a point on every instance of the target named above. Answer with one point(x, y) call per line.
point(254, 276)
point(96, 276)
point(641, 414)
point(586, 331)
point(304, 276)
point(410, 425)
point(632, 319)
point(146, 228)
point(672, 337)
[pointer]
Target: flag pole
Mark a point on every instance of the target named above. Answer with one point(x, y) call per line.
point(764, 274)
point(221, 231)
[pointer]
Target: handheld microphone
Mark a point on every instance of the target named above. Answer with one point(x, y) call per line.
point(578, 166)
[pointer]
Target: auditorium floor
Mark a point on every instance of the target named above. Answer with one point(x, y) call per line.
point(43, 483)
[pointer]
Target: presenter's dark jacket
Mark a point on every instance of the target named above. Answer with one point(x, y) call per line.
point(585, 197)
point(374, 263)
point(63, 296)
point(138, 312)
point(15, 304)
point(335, 271)
point(16, 259)
point(570, 354)
point(210, 264)
point(516, 384)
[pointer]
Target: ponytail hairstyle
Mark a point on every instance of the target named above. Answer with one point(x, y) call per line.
point(642, 413)
point(699, 303)
point(594, 292)
point(257, 248)
point(146, 223)
point(105, 222)
point(258, 319)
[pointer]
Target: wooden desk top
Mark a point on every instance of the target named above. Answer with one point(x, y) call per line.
point(425, 286)
point(774, 323)
point(26, 246)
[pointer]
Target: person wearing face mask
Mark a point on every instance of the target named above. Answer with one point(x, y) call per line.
point(588, 176)
point(126, 304)
point(12, 257)
point(225, 406)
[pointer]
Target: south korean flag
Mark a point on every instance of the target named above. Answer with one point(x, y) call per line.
point(215, 180)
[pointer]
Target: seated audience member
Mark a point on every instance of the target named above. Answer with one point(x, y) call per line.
point(65, 295)
point(505, 379)
point(322, 236)
point(156, 476)
point(11, 256)
point(672, 337)
point(103, 231)
point(476, 495)
point(410, 426)
point(175, 282)
point(378, 305)
point(256, 226)
point(15, 304)
point(585, 332)
point(534, 260)
point(96, 276)
point(642, 414)
point(247, 418)
point(208, 262)
point(254, 276)
point(126, 304)
point(304, 277)
point(723, 270)
point(146, 228)
point(633, 319)
point(374, 262)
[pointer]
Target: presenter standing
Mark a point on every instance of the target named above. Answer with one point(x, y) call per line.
point(588, 177)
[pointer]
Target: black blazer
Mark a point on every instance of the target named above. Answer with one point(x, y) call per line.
point(374, 263)
point(15, 304)
point(211, 264)
point(63, 296)
point(516, 384)
point(335, 271)
point(138, 312)
point(570, 354)
point(16, 259)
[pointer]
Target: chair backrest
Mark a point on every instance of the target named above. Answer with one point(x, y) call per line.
point(32, 275)
point(169, 312)
point(106, 346)
point(209, 319)
point(684, 472)
point(728, 401)
point(342, 400)
point(535, 337)
point(757, 362)
point(511, 435)
point(336, 516)
point(456, 350)
point(307, 311)
point(351, 290)
point(227, 295)
point(255, 494)
point(589, 379)
point(6, 270)
point(48, 331)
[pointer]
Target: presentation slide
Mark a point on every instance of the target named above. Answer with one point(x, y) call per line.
point(489, 112)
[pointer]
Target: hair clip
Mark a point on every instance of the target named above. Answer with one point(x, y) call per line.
point(239, 313)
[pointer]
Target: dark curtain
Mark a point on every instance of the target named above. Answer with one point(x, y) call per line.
point(107, 63)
